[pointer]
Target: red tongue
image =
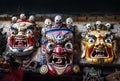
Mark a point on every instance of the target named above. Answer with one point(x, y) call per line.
point(20, 43)
point(59, 61)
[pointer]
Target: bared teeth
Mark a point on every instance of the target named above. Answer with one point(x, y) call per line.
point(58, 57)
point(23, 42)
point(65, 62)
point(99, 53)
point(52, 62)
point(65, 58)
point(53, 57)
point(60, 61)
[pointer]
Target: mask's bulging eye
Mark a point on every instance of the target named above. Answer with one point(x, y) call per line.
point(29, 31)
point(68, 45)
point(91, 40)
point(60, 37)
point(12, 32)
point(50, 46)
point(108, 40)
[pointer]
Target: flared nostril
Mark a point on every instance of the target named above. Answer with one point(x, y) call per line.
point(100, 46)
point(96, 45)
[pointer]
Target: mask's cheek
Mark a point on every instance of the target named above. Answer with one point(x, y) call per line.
point(89, 49)
point(109, 45)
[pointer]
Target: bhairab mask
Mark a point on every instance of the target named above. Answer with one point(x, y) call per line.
point(21, 39)
point(59, 50)
point(98, 46)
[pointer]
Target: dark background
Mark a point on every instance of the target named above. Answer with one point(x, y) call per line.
point(60, 6)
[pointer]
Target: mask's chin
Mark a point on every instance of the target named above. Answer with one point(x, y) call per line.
point(59, 63)
point(99, 53)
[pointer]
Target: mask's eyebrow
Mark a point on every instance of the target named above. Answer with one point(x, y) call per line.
point(12, 28)
point(108, 35)
point(91, 36)
point(30, 27)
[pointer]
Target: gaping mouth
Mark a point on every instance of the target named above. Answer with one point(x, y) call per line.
point(100, 54)
point(20, 43)
point(59, 61)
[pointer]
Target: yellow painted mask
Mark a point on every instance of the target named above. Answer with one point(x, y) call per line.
point(98, 46)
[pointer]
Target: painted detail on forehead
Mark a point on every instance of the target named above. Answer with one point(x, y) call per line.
point(59, 35)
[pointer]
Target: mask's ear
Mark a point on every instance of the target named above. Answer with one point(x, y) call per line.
point(83, 44)
point(2, 32)
point(112, 26)
point(1, 29)
point(5, 34)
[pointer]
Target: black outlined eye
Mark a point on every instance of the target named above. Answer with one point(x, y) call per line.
point(13, 32)
point(50, 45)
point(29, 31)
point(91, 40)
point(68, 45)
point(108, 40)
